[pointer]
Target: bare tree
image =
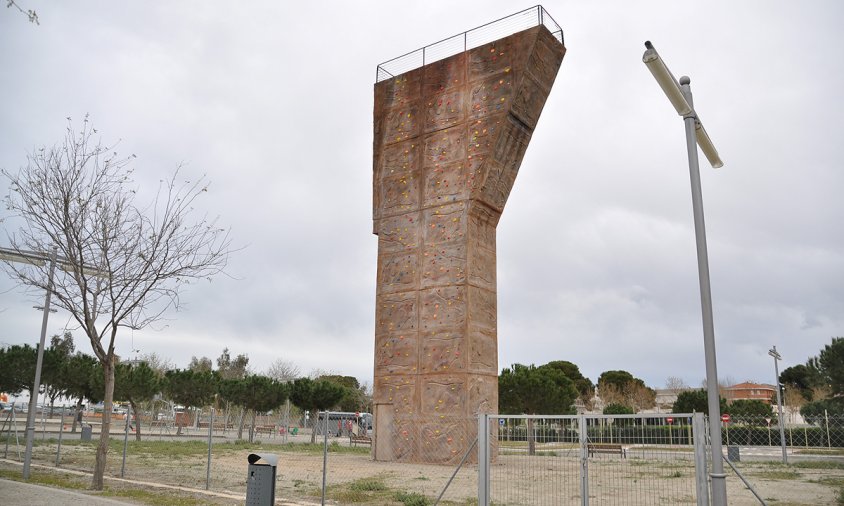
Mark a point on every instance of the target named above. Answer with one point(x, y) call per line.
point(158, 363)
point(318, 373)
point(124, 265)
point(633, 394)
point(675, 385)
point(724, 385)
point(283, 370)
point(640, 396)
point(793, 399)
point(611, 394)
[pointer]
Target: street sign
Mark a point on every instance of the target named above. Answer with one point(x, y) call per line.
point(669, 420)
point(725, 418)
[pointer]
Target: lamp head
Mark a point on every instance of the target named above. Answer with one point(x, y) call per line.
point(666, 80)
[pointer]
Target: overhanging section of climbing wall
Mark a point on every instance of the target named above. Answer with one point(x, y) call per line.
point(449, 140)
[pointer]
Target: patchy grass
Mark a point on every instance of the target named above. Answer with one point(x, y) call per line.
point(776, 475)
point(315, 449)
point(373, 491)
point(150, 449)
point(368, 485)
point(817, 464)
point(818, 451)
point(141, 494)
point(830, 481)
point(411, 499)
point(155, 497)
point(58, 480)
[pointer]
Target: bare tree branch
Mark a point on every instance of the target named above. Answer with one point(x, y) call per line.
point(123, 266)
point(29, 13)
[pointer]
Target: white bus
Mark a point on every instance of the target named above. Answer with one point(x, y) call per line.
point(343, 423)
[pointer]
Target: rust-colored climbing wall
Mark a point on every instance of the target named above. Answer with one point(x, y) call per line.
point(449, 140)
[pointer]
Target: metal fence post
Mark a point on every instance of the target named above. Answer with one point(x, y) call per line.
point(125, 440)
point(286, 419)
point(699, 438)
point(61, 432)
point(828, 439)
point(584, 462)
point(324, 452)
point(9, 430)
point(44, 421)
point(483, 459)
point(210, 434)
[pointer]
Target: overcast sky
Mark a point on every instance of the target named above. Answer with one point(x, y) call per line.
point(596, 248)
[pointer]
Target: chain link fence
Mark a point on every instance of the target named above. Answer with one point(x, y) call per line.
point(604, 459)
point(818, 432)
point(641, 459)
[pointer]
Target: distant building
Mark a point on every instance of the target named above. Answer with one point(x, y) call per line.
point(665, 399)
point(750, 391)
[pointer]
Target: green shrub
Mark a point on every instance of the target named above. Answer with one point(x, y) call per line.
point(368, 485)
point(411, 499)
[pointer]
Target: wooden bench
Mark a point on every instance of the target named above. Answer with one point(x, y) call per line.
point(217, 426)
point(356, 440)
point(615, 449)
point(265, 429)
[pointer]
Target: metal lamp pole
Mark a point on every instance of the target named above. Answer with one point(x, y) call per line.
point(38, 259)
point(777, 357)
point(39, 361)
point(680, 95)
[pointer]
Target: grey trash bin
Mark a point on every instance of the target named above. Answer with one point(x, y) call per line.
point(733, 454)
point(86, 432)
point(260, 479)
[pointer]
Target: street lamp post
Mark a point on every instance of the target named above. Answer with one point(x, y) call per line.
point(17, 256)
point(777, 357)
point(680, 96)
point(39, 259)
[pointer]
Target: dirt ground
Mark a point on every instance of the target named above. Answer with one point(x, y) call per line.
point(517, 479)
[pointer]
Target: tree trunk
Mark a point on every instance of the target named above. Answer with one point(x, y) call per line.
point(240, 424)
point(137, 420)
point(76, 414)
point(252, 427)
point(530, 437)
point(102, 447)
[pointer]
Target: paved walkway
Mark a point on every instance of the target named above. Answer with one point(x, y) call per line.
point(16, 493)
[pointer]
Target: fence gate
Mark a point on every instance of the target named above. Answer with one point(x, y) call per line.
point(603, 459)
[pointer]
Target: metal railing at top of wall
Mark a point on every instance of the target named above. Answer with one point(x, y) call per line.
point(470, 39)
